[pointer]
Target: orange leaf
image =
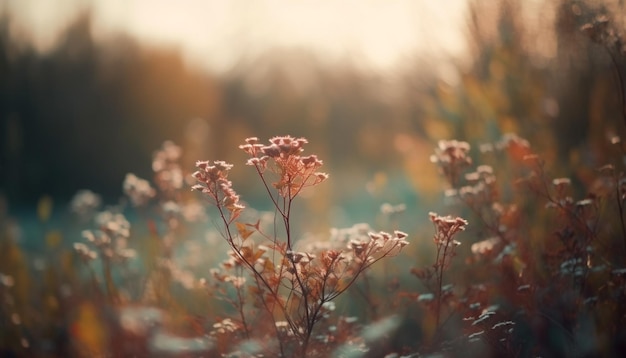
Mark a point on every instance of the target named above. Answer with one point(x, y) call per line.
point(243, 230)
point(257, 255)
point(255, 225)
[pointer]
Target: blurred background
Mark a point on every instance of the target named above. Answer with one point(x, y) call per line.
point(90, 89)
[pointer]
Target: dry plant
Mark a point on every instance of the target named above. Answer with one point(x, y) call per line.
point(548, 262)
point(271, 281)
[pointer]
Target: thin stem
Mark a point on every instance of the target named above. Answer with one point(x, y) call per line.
point(229, 238)
point(94, 280)
point(570, 214)
point(108, 279)
point(240, 305)
point(440, 270)
point(267, 189)
point(366, 292)
point(620, 83)
point(621, 210)
point(270, 310)
point(622, 98)
point(286, 221)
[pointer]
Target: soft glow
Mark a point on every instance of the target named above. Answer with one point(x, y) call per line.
point(216, 34)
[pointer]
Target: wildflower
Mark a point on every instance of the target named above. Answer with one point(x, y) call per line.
point(485, 246)
point(392, 244)
point(168, 154)
point(486, 148)
point(313, 275)
point(85, 203)
point(451, 151)
point(561, 182)
point(294, 171)
point(84, 252)
point(110, 239)
point(113, 224)
point(388, 209)
point(236, 281)
point(224, 326)
point(138, 190)
point(212, 180)
point(170, 208)
point(193, 212)
point(168, 174)
point(484, 170)
point(447, 227)
point(452, 157)
point(472, 177)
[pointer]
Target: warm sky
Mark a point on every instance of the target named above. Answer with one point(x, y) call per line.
point(380, 33)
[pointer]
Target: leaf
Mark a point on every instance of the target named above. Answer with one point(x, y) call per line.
point(246, 252)
point(257, 255)
point(234, 214)
point(243, 230)
point(268, 266)
point(255, 225)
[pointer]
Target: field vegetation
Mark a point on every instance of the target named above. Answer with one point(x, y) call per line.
point(289, 208)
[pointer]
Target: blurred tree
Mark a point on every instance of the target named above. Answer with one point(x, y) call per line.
point(86, 113)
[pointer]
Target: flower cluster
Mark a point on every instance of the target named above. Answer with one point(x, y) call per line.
point(85, 253)
point(327, 269)
point(481, 185)
point(223, 275)
point(224, 326)
point(485, 246)
point(452, 157)
point(326, 273)
point(379, 245)
point(298, 284)
point(110, 240)
point(168, 175)
point(85, 203)
point(191, 211)
point(445, 229)
point(213, 181)
point(515, 146)
point(283, 157)
point(138, 190)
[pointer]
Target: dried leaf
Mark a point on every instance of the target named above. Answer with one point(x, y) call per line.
point(243, 230)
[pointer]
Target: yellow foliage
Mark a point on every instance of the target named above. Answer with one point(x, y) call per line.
point(509, 124)
point(420, 171)
point(89, 331)
point(437, 128)
point(44, 208)
point(54, 239)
